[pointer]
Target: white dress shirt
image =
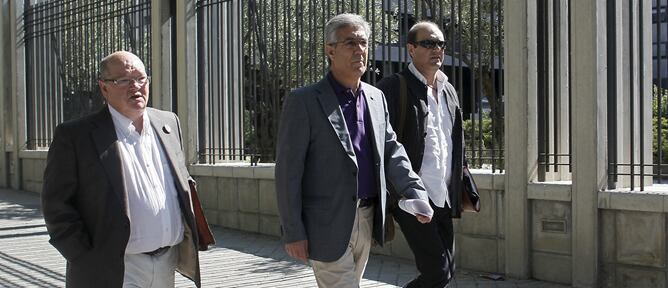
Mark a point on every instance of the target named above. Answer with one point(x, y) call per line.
point(435, 170)
point(154, 212)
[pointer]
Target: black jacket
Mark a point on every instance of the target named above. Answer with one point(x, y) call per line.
point(415, 126)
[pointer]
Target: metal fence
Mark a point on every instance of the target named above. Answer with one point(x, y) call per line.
point(283, 50)
point(554, 95)
point(222, 110)
point(637, 121)
point(64, 42)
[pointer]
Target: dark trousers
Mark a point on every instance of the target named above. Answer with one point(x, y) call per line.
point(432, 244)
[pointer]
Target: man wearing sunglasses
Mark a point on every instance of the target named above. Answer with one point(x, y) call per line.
point(425, 112)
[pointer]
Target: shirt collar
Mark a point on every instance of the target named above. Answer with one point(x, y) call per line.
point(125, 124)
point(441, 78)
point(340, 89)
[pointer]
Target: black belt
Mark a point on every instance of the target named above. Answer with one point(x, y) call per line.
point(365, 202)
point(158, 252)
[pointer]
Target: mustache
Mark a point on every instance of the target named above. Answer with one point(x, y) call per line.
point(358, 58)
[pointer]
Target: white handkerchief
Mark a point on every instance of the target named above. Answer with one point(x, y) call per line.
point(416, 206)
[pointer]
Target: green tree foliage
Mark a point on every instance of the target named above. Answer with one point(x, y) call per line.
point(660, 125)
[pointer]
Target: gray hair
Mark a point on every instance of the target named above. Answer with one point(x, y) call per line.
point(344, 20)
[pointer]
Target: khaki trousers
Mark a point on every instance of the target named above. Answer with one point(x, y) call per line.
point(347, 271)
point(143, 271)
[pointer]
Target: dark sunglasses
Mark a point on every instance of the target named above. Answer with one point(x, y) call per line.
point(431, 44)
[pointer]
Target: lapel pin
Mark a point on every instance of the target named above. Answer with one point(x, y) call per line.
point(167, 129)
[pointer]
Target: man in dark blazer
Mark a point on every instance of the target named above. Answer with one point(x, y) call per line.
point(335, 151)
point(432, 133)
point(116, 197)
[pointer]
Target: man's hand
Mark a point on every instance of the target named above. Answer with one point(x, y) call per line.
point(423, 219)
point(298, 249)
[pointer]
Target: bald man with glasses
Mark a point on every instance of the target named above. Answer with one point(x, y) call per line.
point(428, 121)
point(116, 197)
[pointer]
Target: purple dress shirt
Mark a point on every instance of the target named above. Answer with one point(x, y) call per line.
point(357, 118)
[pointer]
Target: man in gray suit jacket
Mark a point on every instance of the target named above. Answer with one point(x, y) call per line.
point(335, 150)
point(116, 197)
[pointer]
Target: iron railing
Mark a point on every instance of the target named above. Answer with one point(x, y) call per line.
point(221, 106)
point(637, 121)
point(554, 95)
point(283, 49)
point(64, 42)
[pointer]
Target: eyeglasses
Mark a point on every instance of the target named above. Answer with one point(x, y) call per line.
point(431, 44)
point(352, 43)
point(125, 82)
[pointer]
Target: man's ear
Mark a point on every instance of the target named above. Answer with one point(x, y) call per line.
point(103, 89)
point(329, 51)
point(411, 49)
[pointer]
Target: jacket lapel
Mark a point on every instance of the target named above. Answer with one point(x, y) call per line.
point(170, 143)
point(106, 143)
point(418, 88)
point(331, 108)
point(377, 115)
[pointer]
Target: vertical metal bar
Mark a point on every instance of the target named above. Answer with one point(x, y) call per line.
point(28, 11)
point(631, 97)
point(384, 42)
point(472, 85)
point(201, 128)
point(372, 53)
point(215, 147)
point(451, 37)
point(659, 114)
point(229, 69)
point(541, 101)
point(41, 91)
point(417, 10)
point(493, 114)
point(218, 98)
point(220, 51)
point(328, 10)
point(556, 81)
point(570, 92)
point(312, 40)
point(251, 24)
point(226, 122)
point(85, 86)
point(478, 94)
point(641, 76)
point(460, 53)
point(300, 42)
point(59, 70)
point(404, 31)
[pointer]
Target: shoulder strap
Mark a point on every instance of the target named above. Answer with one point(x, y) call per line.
point(403, 98)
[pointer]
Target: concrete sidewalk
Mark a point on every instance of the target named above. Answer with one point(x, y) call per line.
point(240, 259)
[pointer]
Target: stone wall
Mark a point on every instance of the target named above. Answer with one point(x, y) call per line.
point(32, 166)
point(241, 197)
point(632, 239)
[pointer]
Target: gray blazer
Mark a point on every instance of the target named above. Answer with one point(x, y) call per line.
point(316, 169)
point(85, 203)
